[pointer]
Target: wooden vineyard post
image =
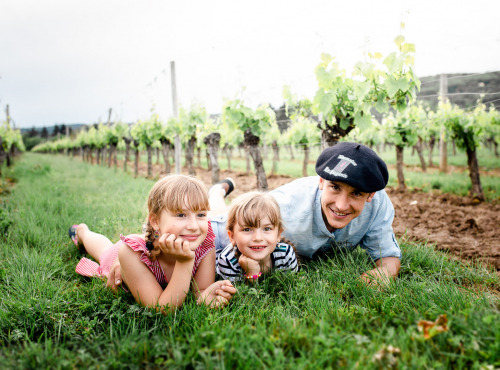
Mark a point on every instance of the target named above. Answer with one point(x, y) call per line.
point(177, 143)
point(443, 155)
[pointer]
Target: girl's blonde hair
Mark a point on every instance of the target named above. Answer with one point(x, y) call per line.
point(248, 209)
point(174, 193)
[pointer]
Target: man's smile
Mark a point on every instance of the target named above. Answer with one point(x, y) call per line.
point(340, 214)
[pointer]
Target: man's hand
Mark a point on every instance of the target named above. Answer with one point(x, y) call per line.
point(217, 294)
point(387, 269)
point(250, 266)
point(115, 276)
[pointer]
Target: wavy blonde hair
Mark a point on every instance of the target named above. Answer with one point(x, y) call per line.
point(174, 193)
point(249, 208)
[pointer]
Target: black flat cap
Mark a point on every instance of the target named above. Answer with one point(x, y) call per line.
point(355, 164)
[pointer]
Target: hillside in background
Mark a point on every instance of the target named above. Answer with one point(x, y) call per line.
point(50, 129)
point(464, 89)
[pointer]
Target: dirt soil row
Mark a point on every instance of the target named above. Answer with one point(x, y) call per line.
point(466, 229)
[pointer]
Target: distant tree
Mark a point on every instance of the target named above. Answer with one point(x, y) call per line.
point(31, 141)
point(33, 132)
point(55, 132)
point(44, 134)
point(62, 129)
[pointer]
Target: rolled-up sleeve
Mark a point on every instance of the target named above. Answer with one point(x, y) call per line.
point(379, 240)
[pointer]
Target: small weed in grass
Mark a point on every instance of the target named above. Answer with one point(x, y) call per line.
point(436, 184)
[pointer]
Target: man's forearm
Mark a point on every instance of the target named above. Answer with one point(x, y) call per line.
point(387, 268)
point(390, 264)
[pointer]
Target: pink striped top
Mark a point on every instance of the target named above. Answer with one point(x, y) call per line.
point(87, 267)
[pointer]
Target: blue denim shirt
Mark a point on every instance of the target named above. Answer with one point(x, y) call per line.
point(300, 204)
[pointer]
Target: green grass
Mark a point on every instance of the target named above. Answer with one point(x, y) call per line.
point(50, 317)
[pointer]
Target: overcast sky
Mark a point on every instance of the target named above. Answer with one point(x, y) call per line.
point(69, 61)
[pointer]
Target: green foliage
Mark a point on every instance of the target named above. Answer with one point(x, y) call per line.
point(296, 107)
point(239, 117)
point(208, 127)
point(31, 141)
point(273, 134)
point(372, 135)
point(491, 125)
point(302, 131)
point(403, 128)
point(11, 138)
point(148, 131)
point(228, 135)
point(94, 138)
point(115, 133)
point(191, 121)
point(464, 128)
point(81, 138)
point(348, 100)
point(303, 128)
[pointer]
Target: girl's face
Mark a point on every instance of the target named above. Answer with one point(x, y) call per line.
point(188, 225)
point(256, 243)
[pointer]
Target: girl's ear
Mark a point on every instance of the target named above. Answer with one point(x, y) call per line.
point(231, 236)
point(280, 234)
point(153, 221)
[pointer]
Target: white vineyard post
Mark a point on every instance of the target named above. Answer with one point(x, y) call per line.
point(177, 143)
point(443, 157)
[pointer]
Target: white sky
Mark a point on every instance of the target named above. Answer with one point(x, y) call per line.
point(69, 61)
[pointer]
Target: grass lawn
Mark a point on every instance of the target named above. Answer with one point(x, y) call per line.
point(50, 317)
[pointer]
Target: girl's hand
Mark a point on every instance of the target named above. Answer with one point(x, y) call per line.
point(217, 294)
point(179, 248)
point(250, 266)
point(115, 276)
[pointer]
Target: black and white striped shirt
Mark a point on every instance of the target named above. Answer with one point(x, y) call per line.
point(228, 267)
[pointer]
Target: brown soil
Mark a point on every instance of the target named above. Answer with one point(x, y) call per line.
point(465, 229)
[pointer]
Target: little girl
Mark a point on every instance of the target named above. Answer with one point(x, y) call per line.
point(254, 227)
point(178, 245)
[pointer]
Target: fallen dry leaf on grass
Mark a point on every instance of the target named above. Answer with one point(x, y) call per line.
point(431, 329)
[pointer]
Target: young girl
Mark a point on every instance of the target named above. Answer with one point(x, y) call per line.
point(254, 228)
point(177, 245)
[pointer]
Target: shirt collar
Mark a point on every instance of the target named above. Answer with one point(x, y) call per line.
point(318, 215)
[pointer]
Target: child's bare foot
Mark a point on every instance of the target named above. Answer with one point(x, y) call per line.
point(74, 233)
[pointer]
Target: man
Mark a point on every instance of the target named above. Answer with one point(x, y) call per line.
point(343, 207)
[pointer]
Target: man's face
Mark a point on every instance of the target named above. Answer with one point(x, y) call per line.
point(341, 203)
